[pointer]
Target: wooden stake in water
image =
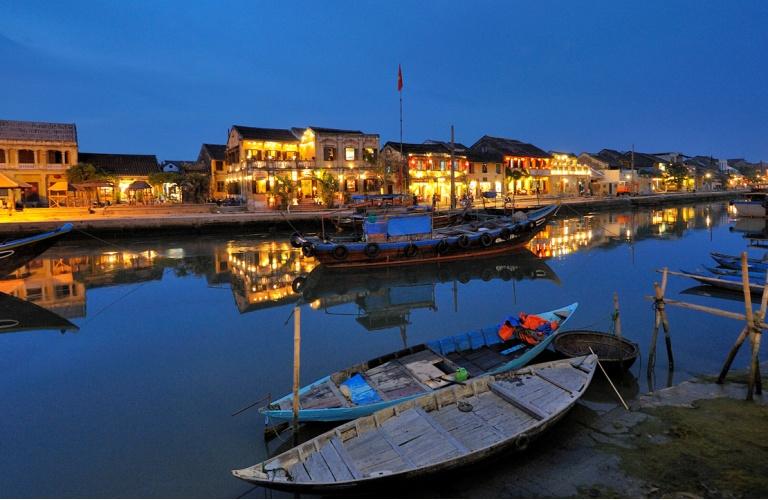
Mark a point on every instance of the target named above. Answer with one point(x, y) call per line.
point(617, 326)
point(660, 320)
point(296, 366)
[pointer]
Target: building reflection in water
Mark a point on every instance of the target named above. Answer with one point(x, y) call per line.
point(264, 274)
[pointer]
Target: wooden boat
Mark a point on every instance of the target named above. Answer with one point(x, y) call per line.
point(753, 205)
point(18, 315)
point(734, 262)
point(614, 352)
point(412, 239)
point(406, 374)
point(727, 282)
point(733, 272)
point(453, 427)
point(16, 253)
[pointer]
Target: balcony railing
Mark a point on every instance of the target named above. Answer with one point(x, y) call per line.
point(279, 164)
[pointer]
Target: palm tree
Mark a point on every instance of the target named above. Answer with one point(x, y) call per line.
point(328, 188)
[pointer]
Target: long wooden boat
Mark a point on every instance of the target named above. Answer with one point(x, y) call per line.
point(734, 262)
point(18, 315)
point(16, 253)
point(614, 352)
point(733, 272)
point(411, 239)
point(408, 373)
point(727, 282)
point(450, 428)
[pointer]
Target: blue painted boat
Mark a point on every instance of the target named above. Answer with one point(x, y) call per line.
point(734, 262)
point(733, 283)
point(409, 373)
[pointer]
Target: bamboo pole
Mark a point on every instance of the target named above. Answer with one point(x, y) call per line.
point(609, 379)
point(732, 354)
point(617, 326)
point(660, 320)
point(296, 369)
point(706, 309)
point(656, 322)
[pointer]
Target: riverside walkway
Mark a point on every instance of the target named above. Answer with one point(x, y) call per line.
point(211, 218)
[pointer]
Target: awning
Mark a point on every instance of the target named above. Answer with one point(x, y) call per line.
point(24, 185)
point(138, 185)
point(7, 183)
point(59, 186)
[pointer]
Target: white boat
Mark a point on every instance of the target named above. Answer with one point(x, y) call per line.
point(753, 205)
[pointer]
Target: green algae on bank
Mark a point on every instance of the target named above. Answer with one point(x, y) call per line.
point(717, 448)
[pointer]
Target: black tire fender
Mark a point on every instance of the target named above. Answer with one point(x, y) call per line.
point(299, 284)
point(441, 247)
point(340, 252)
point(505, 234)
point(372, 250)
point(308, 249)
point(463, 241)
point(486, 239)
point(411, 250)
point(294, 239)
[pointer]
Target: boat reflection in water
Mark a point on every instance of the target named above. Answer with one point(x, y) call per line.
point(18, 315)
point(385, 297)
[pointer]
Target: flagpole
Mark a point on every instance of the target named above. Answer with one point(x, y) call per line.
point(404, 187)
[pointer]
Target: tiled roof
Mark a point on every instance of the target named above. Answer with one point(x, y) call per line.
point(37, 131)
point(422, 149)
point(215, 151)
point(324, 130)
point(121, 164)
point(489, 148)
point(265, 134)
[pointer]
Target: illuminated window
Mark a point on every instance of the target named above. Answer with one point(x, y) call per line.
point(369, 185)
point(2, 156)
point(219, 165)
point(220, 186)
point(329, 154)
point(498, 168)
point(369, 154)
point(55, 157)
point(471, 168)
point(350, 154)
point(485, 168)
point(442, 165)
point(351, 185)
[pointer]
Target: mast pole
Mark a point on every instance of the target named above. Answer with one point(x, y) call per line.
point(453, 173)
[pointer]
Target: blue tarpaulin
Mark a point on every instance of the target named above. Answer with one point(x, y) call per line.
point(375, 227)
point(360, 392)
point(406, 226)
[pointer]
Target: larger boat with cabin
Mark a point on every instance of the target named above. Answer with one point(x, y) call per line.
point(409, 239)
point(753, 205)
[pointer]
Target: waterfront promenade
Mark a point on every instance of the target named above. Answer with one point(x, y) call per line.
point(212, 218)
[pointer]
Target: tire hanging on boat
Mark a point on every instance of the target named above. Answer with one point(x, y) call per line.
point(298, 284)
point(295, 243)
point(505, 234)
point(340, 252)
point(521, 442)
point(486, 239)
point(531, 225)
point(410, 250)
point(308, 249)
point(463, 241)
point(372, 250)
point(441, 247)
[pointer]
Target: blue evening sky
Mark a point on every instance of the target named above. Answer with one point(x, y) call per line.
point(162, 77)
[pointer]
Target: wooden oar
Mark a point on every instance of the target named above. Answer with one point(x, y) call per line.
point(609, 380)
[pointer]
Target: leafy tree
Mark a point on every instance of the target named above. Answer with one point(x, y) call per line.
point(160, 178)
point(83, 172)
point(285, 190)
point(515, 174)
point(676, 173)
point(195, 187)
point(328, 187)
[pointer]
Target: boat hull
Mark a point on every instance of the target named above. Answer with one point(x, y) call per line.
point(749, 208)
point(17, 253)
point(507, 237)
point(274, 415)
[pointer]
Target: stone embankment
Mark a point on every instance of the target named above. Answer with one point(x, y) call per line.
point(210, 218)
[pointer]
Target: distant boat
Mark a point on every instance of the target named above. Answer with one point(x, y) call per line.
point(410, 239)
point(412, 372)
point(18, 315)
point(449, 428)
point(734, 262)
point(16, 253)
point(726, 282)
point(753, 205)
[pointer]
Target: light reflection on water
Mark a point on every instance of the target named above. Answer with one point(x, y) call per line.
point(176, 335)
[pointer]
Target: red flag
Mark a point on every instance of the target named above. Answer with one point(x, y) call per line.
point(399, 79)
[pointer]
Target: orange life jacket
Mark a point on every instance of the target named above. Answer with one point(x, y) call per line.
point(533, 322)
point(507, 331)
point(527, 337)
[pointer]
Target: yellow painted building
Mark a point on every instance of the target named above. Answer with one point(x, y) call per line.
point(37, 154)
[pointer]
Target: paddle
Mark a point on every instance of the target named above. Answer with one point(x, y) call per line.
point(609, 380)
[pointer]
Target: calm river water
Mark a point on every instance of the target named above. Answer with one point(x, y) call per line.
point(177, 334)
